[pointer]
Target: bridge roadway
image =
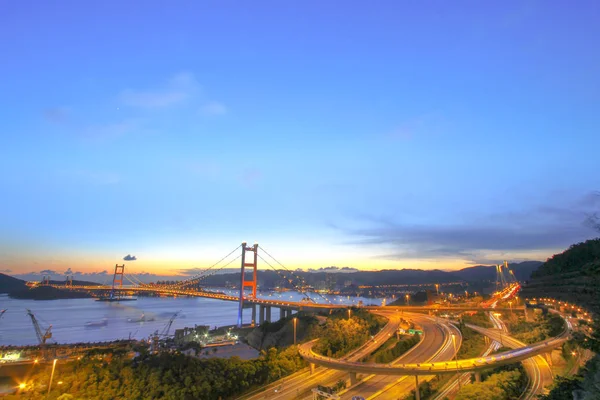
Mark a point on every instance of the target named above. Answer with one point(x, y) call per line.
point(296, 305)
point(429, 368)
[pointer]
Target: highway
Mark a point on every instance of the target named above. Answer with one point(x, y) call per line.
point(453, 386)
point(464, 365)
point(436, 345)
point(537, 368)
point(300, 384)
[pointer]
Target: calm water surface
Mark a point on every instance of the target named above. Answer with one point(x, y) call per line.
point(68, 317)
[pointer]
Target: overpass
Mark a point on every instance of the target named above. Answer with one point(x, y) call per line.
point(437, 368)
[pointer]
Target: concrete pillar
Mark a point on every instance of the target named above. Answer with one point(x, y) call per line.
point(477, 376)
point(353, 378)
point(417, 392)
point(312, 368)
point(269, 314)
point(254, 314)
point(262, 314)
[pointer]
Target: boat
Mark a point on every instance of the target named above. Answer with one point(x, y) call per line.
point(143, 318)
point(96, 324)
point(116, 299)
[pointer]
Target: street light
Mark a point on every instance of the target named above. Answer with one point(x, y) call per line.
point(437, 288)
point(349, 312)
point(456, 359)
point(510, 304)
point(52, 375)
point(407, 299)
point(295, 319)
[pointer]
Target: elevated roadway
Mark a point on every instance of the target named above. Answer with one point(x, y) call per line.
point(537, 368)
point(300, 384)
point(436, 345)
point(429, 368)
point(296, 305)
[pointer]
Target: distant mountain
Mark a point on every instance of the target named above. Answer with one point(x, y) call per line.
point(522, 271)
point(17, 289)
point(8, 284)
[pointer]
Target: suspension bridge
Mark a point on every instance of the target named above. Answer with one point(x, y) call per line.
point(123, 282)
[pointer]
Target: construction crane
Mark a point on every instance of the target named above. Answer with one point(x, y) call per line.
point(167, 328)
point(42, 337)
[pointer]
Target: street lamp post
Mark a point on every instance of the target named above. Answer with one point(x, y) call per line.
point(52, 375)
point(407, 299)
point(510, 304)
point(349, 312)
point(295, 319)
point(456, 359)
point(437, 289)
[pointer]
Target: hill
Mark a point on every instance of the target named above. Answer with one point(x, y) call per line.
point(522, 271)
point(9, 284)
point(17, 289)
point(574, 276)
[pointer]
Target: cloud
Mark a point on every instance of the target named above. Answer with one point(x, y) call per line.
point(129, 257)
point(69, 271)
point(6, 271)
point(177, 90)
point(49, 272)
point(56, 115)
point(544, 228)
point(214, 108)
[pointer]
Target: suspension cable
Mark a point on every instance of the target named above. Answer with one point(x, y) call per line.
point(200, 274)
point(200, 278)
point(301, 279)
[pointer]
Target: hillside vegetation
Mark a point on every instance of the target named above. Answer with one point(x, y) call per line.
point(574, 276)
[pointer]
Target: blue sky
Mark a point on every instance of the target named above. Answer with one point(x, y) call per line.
point(392, 135)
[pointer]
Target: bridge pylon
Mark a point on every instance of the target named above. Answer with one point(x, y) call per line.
point(117, 279)
point(247, 283)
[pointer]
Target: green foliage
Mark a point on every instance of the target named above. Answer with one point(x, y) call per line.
point(479, 319)
point(505, 385)
point(339, 335)
point(562, 388)
point(473, 343)
point(542, 328)
point(165, 376)
point(572, 259)
point(426, 389)
point(574, 276)
point(393, 349)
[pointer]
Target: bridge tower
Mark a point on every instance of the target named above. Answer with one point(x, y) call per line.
point(244, 283)
point(117, 279)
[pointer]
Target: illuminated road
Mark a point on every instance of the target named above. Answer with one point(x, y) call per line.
point(537, 368)
point(177, 291)
point(450, 388)
point(436, 345)
point(301, 383)
point(465, 365)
